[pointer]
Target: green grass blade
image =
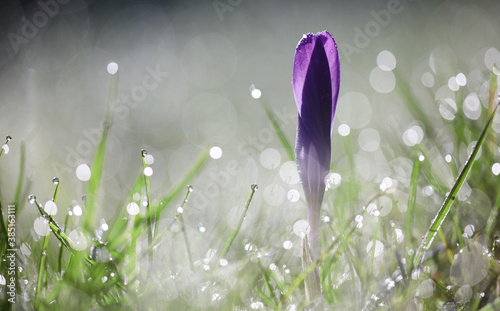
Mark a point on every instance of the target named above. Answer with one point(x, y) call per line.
point(450, 198)
point(20, 177)
point(492, 219)
point(274, 123)
point(98, 163)
point(411, 206)
point(374, 243)
point(150, 223)
point(193, 171)
point(183, 227)
point(224, 251)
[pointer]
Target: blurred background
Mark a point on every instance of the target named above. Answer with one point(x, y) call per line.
point(186, 72)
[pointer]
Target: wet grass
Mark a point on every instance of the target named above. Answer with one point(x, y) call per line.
point(431, 258)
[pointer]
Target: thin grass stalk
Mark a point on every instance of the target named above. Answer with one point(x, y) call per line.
point(98, 163)
point(409, 211)
point(224, 251)
point(274, 123)
point(450, 198)
point(374, 243)
point(183, 227)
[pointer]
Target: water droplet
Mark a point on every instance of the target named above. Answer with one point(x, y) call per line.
point(254, 187)
point(143, 153)
point(8, 138)
point(180, 210)
point(190, 188)
point(5, 148)
point(104, 279)
point(133, 208)
point(84, 198)
point(223, 262)
point(55, 180)
point(32, 199)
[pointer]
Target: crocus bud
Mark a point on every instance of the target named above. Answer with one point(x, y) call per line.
point(316, 80)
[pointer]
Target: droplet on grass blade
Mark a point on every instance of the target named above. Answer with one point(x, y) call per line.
point(5, 148)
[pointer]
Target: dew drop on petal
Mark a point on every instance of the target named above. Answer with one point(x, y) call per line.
point(41, 226)
point(133, 208)
point(112, 68)
point(83, 172)
point(215, 152)
point(50, 207)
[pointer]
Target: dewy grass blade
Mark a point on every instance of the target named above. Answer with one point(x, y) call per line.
point(492, 219)
point(411, 207)
point(42, 268)
point(193, 171)
point(150, 223)
point(450, 198)
point(97, 164)
point(183, 227)
point(224, 251)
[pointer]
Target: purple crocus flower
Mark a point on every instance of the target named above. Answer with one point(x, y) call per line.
point(316, 80)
